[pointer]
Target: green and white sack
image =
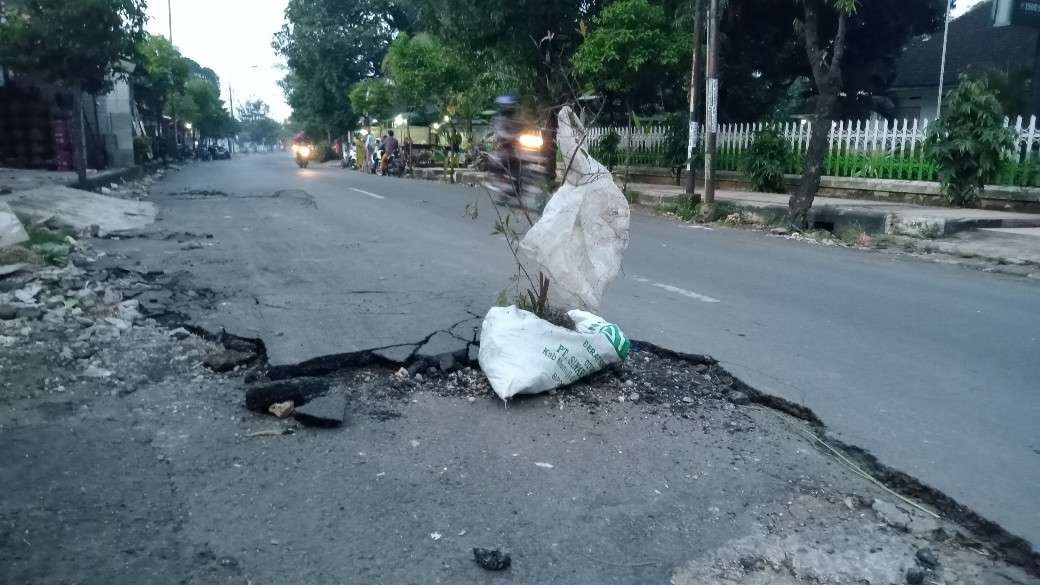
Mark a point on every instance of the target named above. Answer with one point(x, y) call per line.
point(521, 353)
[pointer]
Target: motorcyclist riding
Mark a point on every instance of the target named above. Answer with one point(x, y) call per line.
point(516, 165)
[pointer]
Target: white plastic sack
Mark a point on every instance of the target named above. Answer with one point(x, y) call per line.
point(583, 231)
point(523, 354)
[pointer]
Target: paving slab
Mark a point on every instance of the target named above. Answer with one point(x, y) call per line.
point(81, 209)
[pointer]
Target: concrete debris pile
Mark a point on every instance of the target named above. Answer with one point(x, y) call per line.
point(133, 189)
point(82, 325)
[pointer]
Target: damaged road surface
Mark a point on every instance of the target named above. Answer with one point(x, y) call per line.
point(885, 349)
point(128, 461)
point(315, 269)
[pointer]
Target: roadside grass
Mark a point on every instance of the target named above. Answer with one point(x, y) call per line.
point(49, 243)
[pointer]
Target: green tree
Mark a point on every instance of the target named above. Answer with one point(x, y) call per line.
point(428, 76)
point(80, 45)
point(424, 71)
point(159, 75)
point(969, 141)
point(209, 117)
point(255, 124)
point(531, 40)
point(630, 45)
point(1009, 86)
point(825, 59)
point(328, 46)
point(371, 98)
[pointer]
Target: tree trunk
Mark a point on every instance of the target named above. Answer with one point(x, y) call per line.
point(79, 123)
point(802, 199)
point(827, 77)
point(550, 147)
point(626, 143)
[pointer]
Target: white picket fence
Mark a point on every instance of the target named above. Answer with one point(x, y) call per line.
point(864, 136)
point(874, 148)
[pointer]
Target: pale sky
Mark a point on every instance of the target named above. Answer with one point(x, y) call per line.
point(233, 38)
point(963, 6)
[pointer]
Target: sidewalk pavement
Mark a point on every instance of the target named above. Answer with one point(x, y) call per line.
point(12, 180)
point(1003, 236)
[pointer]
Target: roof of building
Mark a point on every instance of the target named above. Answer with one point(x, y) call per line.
point(973, 42)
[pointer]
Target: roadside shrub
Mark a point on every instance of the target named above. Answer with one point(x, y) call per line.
point(142, 149)
point(765, 160)
point(676, 141)
point(969, 141)
point(608, 146)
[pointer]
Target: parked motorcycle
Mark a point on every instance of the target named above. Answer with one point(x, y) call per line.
point(394, 165)
point(220, 152)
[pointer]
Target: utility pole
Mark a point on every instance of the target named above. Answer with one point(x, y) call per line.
point(942, 63)
point(695, 88)
point(169, 17)
point(231, 104)
point(711, 109)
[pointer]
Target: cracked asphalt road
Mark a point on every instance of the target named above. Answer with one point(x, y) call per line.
point(931, 367)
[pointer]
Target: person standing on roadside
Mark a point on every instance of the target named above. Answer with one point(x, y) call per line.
point(370, 152)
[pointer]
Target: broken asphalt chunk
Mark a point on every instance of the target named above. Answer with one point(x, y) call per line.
point(325, 411)
point(927, 558)
point(298, 390)
point(281, 409)
point(492, 560)
point(227, 360)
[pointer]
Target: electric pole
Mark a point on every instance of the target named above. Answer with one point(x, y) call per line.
point(695, 89)
point(169, 17)
point(942, 62)
point(231, 105)
point(711, 110)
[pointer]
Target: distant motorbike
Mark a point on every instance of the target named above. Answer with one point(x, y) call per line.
point(377, 161)
point(349, 160)
point(303, 153)
point(517, 171)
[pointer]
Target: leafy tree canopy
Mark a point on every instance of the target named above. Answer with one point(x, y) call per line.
point(80, 43)
point(329, 45)
point(209, 117)
point(424, 72)
point(371, 98)
point(160, 71)
point(255, 125)
point(630, 45)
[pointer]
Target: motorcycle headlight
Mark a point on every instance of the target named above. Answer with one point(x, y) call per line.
point(531, 142)
point(304, 151)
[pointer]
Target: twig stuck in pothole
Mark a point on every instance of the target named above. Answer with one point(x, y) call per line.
point(269, 433)
point(859, 471)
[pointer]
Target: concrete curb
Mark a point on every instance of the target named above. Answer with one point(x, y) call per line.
point(872, 221)
point(461, 177)
point(104, 178)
